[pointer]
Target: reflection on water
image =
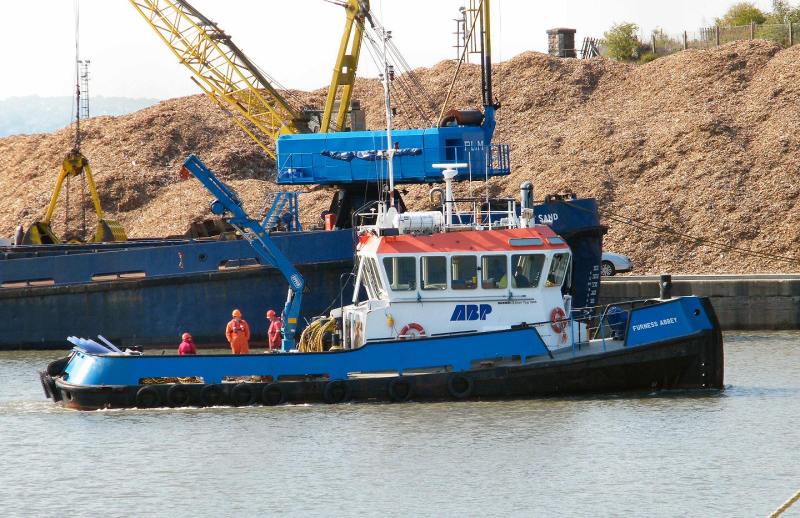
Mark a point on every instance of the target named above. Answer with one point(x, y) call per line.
point(719, 453)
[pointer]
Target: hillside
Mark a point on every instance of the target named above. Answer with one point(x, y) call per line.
point(34, 114)
point(705, 142)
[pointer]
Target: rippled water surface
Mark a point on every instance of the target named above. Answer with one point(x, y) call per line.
point(728, 453)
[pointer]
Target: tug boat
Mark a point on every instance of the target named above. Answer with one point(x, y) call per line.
point(462, 303)
point(446, 305)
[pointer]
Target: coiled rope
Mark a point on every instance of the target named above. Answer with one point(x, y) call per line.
point(311, 339)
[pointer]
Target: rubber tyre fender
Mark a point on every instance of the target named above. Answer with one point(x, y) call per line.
point(400, 389)
point(212, 395)
point(178, 396)
point(147, 397)
point(460, 386)
point(273, 394)
point(336, 391)
point(242, 395)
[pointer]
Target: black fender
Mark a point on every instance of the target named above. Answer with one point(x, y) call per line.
point(178, 395)
point(401, 389)
point(336, 391)
point(148, 397)
point(212, 395)
point(243, 394)
point(460, 386)
point(273, 394)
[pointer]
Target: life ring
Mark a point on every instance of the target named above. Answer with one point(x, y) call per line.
point(212, 395)
point(400, 389)
point(178, 395)
point(273, 394)
point(147, 397)
point(558, 320)
point(242, 394)
point(336, 391)
point(413, 326)
point(460, 386)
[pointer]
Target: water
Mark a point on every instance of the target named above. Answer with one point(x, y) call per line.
point(728, 453)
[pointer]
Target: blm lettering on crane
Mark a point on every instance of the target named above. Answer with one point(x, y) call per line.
point(470, 312)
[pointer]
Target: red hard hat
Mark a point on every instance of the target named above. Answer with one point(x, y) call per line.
point(271, 313)
point(186, 336)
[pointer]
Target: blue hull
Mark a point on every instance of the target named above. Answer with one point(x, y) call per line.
point(672, 344)
point(183, 289)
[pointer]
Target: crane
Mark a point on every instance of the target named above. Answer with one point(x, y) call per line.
point(74, 165)
point(228, 204)
point(41, 233)
point(330, 156)
point(234, 82)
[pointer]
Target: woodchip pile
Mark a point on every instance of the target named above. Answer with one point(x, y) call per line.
point(704, 142)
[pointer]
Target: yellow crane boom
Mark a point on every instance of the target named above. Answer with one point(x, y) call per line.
point(344, 73)
point(233, 81)
point(222, 70)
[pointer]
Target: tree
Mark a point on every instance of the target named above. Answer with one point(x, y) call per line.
point(621, 41)
point(783, 12)
point(742, 13)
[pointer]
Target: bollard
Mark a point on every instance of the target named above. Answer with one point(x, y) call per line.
point(665, 287)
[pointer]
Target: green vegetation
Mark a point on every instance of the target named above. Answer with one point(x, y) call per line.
point(622, 41)
point(783, 12)
point(647, 57)
point(742, 13)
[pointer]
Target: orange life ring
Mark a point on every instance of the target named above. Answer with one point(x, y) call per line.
point(412, 326)
point(558, 320)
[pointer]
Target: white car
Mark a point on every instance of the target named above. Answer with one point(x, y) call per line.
point(612, 264)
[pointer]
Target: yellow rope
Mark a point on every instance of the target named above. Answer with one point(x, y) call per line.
point(786, 505)
point(311, 340)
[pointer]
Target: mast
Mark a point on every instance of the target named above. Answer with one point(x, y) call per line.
point(388, 75)
point(489, 106)
point(486, 53)
point(77, 79)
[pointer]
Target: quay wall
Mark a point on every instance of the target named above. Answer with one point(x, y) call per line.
point(742, 302)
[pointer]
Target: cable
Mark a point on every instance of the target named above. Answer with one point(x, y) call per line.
point(395, 58)
point(786, 505)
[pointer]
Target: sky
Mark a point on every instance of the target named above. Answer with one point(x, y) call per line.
point(294, 41)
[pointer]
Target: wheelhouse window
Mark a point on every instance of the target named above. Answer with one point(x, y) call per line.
point(372, 280)
point(526, 270)
point(464, 272)
point(558, 270)
point(433, 272)
point(401, 272)
point(494, 272)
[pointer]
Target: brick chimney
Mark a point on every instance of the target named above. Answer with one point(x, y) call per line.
point(561, 42)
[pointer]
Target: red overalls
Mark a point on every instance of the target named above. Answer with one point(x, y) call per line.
point(238, 334)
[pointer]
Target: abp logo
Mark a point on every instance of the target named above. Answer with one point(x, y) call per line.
point(470, 312)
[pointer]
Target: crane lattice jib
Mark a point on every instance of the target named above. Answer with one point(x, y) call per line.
point(344, 73)
point(221, 69)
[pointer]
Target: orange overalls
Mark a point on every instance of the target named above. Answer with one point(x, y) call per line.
point(238, 334)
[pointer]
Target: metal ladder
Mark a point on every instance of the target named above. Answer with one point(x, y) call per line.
point(281, 211)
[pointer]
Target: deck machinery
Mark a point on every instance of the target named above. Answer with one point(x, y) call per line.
point(354, 161)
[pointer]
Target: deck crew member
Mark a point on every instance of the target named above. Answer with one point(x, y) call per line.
point(187, 345)
point(274, 332)
point(238, 334)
